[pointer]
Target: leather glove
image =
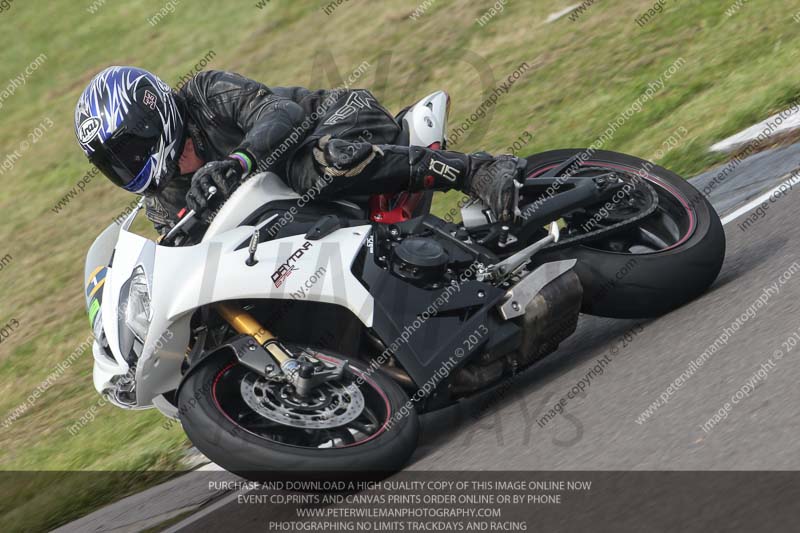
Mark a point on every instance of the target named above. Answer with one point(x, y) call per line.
point(496, 182)
point(225, 175)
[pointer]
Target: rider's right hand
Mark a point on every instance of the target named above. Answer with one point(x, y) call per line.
point(225, 175)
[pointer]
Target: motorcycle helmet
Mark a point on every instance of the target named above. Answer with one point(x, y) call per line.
point(129, 125)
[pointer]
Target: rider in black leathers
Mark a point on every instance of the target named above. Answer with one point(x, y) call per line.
point(233, 126)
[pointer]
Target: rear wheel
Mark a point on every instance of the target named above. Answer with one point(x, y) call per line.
point(671, 256)
point(253, 426)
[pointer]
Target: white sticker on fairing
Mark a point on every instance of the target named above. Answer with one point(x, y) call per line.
point(89, 129)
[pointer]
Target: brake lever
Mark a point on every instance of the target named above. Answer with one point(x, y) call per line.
point(170, 236)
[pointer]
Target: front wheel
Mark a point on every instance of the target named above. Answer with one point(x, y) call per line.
point(253, 426)
point(669, 257)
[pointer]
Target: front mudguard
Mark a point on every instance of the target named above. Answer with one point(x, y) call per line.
point(243, 347)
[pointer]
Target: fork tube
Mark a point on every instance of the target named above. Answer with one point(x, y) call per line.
point(244, 323)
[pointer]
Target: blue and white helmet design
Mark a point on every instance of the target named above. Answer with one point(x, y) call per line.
point(128, 124)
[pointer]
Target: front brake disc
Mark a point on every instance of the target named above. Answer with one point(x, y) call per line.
point(329, 405)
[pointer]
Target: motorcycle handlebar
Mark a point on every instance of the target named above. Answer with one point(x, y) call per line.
point(176, 229)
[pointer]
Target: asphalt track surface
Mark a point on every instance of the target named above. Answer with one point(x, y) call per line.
point(598, 429)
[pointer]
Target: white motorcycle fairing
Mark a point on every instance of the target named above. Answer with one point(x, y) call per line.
point(181, 280)
point(185, 278)
point(426, 122)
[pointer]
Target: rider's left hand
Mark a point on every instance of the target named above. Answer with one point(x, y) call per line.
point(225, 175)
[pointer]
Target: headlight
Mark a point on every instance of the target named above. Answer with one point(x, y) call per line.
point(137, 307)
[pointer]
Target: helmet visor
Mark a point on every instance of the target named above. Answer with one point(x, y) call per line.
point(125, 158)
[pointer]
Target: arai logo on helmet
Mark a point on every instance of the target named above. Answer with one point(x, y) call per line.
point(89, 129)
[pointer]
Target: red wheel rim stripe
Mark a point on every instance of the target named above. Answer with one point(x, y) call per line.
point(358, 372)
point(651, 178)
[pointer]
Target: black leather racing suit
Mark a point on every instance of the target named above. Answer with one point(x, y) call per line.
point(226, 112)
point(279, 128)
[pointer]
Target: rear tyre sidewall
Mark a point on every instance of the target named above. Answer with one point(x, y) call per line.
point(253, 457)
point(644, 285)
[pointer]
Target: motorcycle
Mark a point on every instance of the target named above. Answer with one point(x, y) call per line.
point(299, 335)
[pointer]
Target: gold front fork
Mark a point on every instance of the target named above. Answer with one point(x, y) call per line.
point(244, 323)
